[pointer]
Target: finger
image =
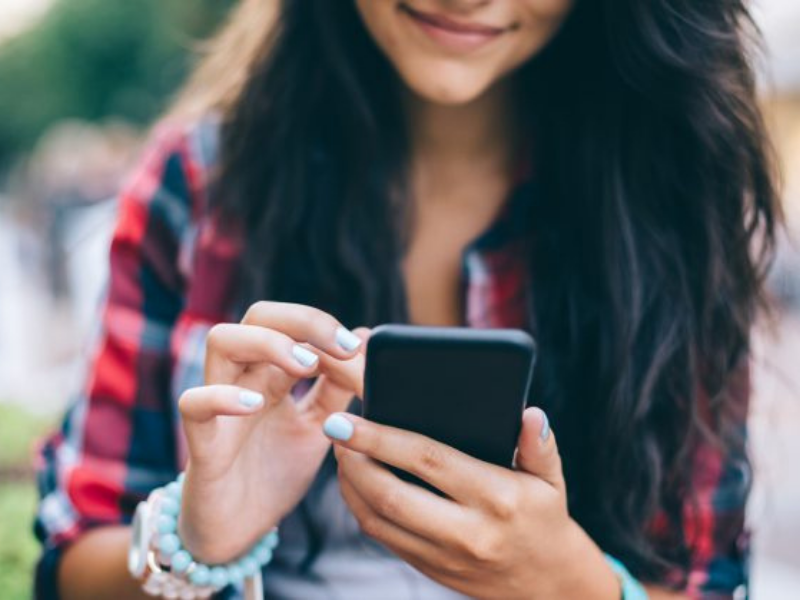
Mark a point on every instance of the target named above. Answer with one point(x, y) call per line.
point(384, 531)
point(201, 404)
point(460, 476)
point(346, 374)
point(229, 345)
point(339, 383)
point(326, 396)
point(537, 451)
point(404, 504)
point(305, 324)
point(363, 333)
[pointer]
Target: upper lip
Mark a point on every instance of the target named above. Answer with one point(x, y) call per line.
point(452, 25)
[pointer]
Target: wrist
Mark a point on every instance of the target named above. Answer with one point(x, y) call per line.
point(586, 574)
point(159, 558)
point(208, 523)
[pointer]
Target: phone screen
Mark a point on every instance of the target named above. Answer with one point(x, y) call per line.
point(466, 388)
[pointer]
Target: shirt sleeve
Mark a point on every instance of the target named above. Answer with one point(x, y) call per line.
point(117, 440)
point(714, 515)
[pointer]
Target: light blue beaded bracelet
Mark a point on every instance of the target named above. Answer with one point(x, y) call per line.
point(183, 563)
point(631, 588)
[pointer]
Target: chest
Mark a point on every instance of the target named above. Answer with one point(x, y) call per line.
point(435, 265)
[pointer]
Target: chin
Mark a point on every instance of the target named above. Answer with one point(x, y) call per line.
point(450, 87)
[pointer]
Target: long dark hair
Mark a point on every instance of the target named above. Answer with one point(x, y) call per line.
point(651, 233)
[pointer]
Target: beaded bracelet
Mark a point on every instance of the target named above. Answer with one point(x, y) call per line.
point(158, 557)
point(631, 588)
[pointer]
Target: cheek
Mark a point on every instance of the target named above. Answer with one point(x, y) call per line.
point(548, 10)
point(378, 17)
point(543, 19)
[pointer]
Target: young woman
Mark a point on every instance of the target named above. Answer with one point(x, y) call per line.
point(594, 172)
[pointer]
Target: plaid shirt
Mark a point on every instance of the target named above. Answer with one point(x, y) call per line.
point(172, 276)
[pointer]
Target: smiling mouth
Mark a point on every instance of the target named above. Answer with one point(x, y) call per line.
point(451, 34)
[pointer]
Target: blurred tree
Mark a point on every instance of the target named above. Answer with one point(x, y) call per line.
point(93, 59)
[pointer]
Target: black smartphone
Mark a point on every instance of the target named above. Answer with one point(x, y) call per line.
point(464, 387)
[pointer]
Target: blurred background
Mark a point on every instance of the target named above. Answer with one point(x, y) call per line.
point(80, 82)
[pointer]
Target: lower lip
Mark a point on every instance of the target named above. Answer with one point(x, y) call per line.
point(452, 40)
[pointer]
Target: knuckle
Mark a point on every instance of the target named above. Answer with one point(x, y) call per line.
point(217, 334)
point(462, 540)
point(431, 457)
point(314, 319)
point(317, 320)
point(254, 310)
point(309, 318)
point(484, 548)
point(185, 402)
point(454, 567)
point(506, 502)
point(370, 525)
point(387, 503)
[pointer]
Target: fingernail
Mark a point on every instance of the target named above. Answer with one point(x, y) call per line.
point(338, 427)
point(347, 339)
point(304, 357)
point(250, 399)
point(545, 433)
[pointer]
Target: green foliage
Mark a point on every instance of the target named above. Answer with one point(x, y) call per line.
point(18, 547)
point(18, 431)
point(92, 59)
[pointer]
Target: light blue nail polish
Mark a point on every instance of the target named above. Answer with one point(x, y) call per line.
point(338, 428)
point(304, 356)
point(347, 339)
point(250, 399)
point(545, 433)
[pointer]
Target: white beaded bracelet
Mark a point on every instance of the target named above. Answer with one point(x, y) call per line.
point(158, 559)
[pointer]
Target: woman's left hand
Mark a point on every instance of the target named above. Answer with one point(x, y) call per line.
point(500, 533)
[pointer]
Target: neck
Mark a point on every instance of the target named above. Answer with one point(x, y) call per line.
point(480, 136)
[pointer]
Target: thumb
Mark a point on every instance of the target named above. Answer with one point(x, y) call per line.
point(537, 451)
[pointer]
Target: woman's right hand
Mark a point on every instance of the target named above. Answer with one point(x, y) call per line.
point(254, 449)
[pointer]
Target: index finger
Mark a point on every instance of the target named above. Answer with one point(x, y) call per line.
point(464, 478)
point(305, 324)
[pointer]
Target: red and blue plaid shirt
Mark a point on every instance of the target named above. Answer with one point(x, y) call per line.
point(173, 276)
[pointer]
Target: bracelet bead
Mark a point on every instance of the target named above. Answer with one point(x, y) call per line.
point(248, 565)
point(201, 575)
point(172, 570)
point(262, 554)
point(219, 577)
point(631, 588)
point(272, 539)
point(174, 490)
point(169, 543)
point(166, 524)
point(235, 574)
point(180, 561)
point(170, 506)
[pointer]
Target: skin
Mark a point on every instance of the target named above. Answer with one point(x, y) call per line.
point(461, 122)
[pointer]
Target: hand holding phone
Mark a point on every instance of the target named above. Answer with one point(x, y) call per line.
point(464, 387)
